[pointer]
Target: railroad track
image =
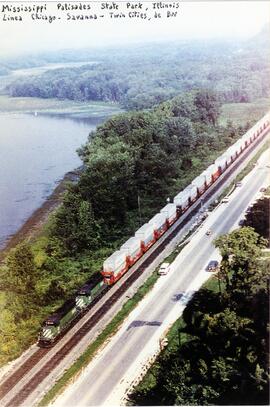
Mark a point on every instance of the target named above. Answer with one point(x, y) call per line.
point(59, 355)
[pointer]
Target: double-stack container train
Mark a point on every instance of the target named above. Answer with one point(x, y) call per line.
point(134, 248)
point(159, 224)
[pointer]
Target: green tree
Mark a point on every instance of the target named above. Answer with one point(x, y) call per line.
point(108, 181)
point(208, 106)
point(183, 129)
point(74, 224)
point(240, 267)
point(259, 218)
point(21, 273)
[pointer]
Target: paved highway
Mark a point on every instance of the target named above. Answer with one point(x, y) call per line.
point(102, 379)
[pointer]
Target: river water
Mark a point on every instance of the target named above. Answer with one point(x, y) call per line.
point(35, 153)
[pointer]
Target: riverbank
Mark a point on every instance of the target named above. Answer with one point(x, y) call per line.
point(34, 224)
point(94, 111)
point(68, 123)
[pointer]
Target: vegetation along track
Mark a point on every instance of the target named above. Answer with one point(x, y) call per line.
point(90, 323)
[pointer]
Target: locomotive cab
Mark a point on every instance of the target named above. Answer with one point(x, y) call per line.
point(88, 292)
point(83, 298)
point(49, 331)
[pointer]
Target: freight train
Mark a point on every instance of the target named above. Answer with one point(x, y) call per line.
point(120, 261)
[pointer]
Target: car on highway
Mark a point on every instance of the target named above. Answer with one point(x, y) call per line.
point(225, 199)
point(241, 222)
point(164, 269)
point(213, 265)
point(209, 232)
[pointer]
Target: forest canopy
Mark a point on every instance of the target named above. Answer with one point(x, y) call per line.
point(144, 156)
point(147, 75)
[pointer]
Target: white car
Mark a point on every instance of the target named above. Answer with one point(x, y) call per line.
point(225, 200)
point(164, 269)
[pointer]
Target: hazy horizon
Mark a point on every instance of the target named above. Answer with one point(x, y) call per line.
point(218, 20)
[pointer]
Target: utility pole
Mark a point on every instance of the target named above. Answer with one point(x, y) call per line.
point(139, 208)
point(219, 285)
point(201, 205)
point(179, 338)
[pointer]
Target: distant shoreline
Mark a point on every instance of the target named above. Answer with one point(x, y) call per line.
point(34, 224)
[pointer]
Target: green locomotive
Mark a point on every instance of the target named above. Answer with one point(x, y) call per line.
point(60, 320)
point(88, 293)
point(58, 323)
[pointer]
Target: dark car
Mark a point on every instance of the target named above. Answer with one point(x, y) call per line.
point(212, 265)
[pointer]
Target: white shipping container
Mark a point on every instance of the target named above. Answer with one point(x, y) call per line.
point(221, 161)
point(238, 145)
point(208, 176)
point(158, 220)
point(260, 125)
point(212, 169)
point(131, 246)
point(199, 181)
point(185, 194)
point(247, 136)
point(252, 133)
point(115, 261)
point(145, 233)
point(169, 210)
point(181, 199)
point(191, 190)
point(265, 119)
point(232, 151)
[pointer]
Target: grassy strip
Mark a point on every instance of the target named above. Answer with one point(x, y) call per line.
point(31, 104)
point(240, 113)
point(110, 329)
